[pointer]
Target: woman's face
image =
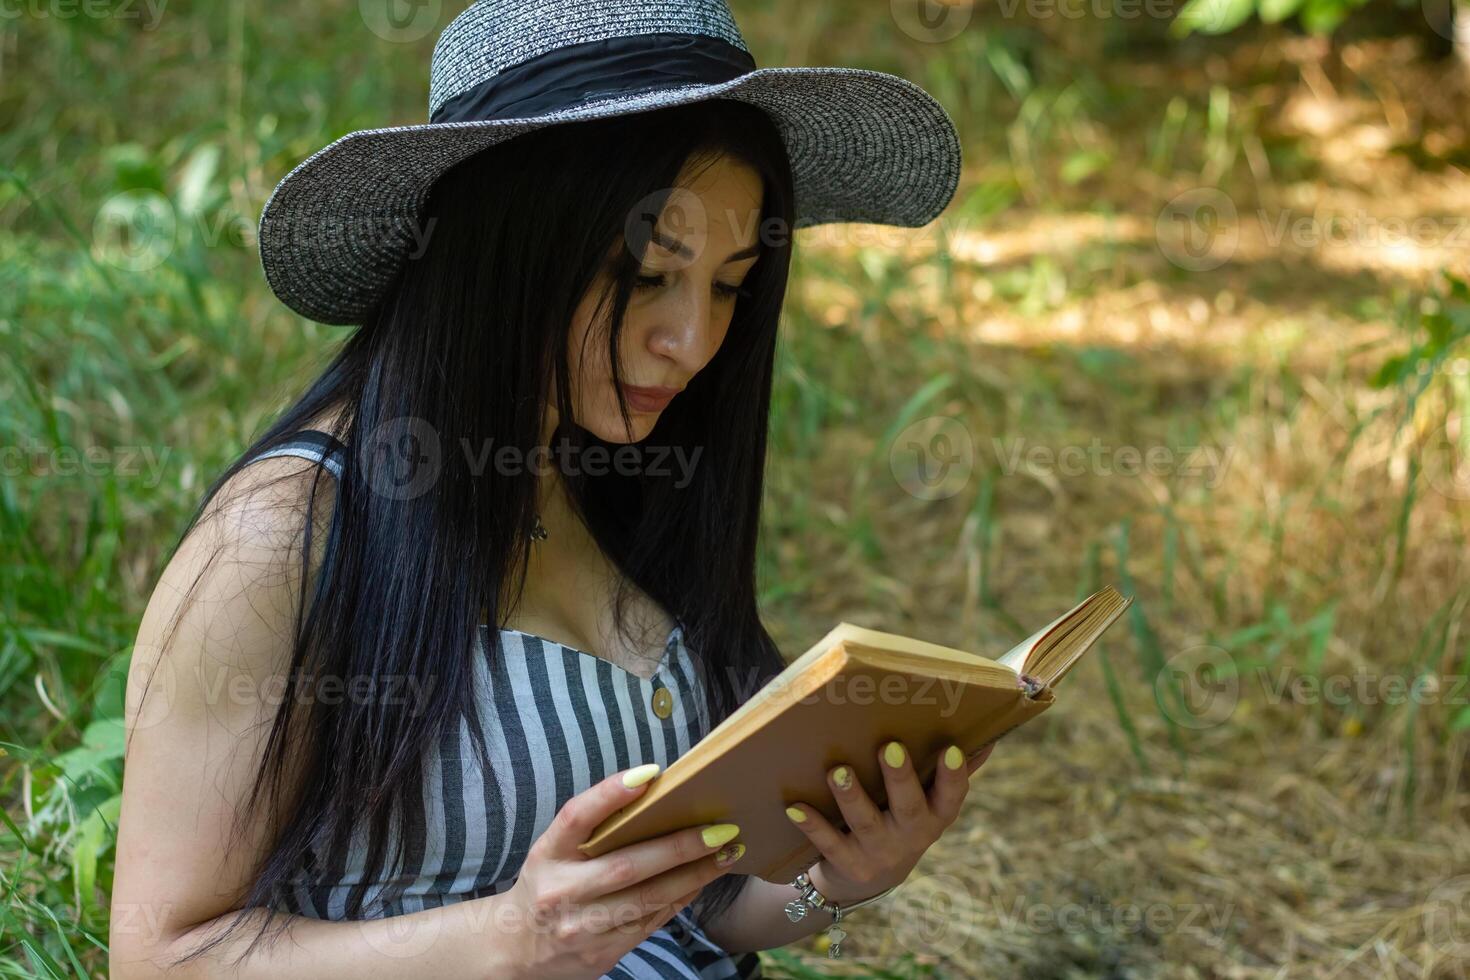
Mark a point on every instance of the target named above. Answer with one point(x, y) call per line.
point(706, 239)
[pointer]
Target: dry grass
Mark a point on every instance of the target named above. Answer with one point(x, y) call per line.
point(1276, 838)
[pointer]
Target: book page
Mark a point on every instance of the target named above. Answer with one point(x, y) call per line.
point(1052, 650)
point(1015, 657)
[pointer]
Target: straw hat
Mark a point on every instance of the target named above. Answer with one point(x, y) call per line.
point(863, 145)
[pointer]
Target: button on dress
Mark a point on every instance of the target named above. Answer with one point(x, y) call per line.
point(554, 720)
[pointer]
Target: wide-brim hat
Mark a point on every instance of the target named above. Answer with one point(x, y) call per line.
point(864, 146)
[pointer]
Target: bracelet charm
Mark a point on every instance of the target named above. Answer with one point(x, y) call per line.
point(810, 898)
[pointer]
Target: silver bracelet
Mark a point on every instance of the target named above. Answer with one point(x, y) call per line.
point(810, 898)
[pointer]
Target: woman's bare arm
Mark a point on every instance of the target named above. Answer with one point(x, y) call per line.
point(195, 741)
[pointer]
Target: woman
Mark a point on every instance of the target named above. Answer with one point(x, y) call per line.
point(370, 714)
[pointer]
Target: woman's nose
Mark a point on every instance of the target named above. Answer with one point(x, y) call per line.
point(685, 333)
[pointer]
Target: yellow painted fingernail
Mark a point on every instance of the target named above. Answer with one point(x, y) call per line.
point(639, 775)
point(795, 814)
point(842, 776)
point(718, 833)
point(729, 854)
point(893, 754)
point(953, 757)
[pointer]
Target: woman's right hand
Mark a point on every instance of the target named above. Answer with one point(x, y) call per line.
point(577, 915)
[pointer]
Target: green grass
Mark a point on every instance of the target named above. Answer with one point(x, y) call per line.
point(1334, 542)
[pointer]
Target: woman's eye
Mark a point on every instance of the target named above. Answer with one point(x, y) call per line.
point(728, 291)
point(725, 290)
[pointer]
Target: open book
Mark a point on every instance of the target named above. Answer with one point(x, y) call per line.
point(839, 703)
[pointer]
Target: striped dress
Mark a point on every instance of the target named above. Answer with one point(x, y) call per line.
point(555, 720)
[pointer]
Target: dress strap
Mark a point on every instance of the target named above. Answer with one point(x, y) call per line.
point(312, 444)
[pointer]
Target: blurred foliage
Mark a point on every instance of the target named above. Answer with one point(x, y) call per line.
point(1220, 16)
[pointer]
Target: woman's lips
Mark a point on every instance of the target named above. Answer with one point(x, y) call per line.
point(649, 399)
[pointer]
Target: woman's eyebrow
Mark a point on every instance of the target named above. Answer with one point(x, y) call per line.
point(683, 251)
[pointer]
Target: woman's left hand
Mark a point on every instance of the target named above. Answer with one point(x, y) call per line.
point(881, 847)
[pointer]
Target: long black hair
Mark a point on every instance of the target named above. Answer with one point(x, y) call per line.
point(464, 351)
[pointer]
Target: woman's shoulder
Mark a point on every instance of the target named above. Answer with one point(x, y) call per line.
point(242, 557)
point(317, 439)
point(266, 499)
point(317, 445)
